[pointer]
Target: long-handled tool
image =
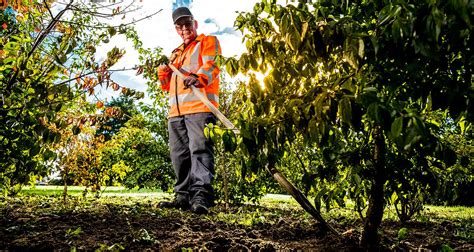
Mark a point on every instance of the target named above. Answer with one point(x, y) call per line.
point(227, 123)
point(290, 188)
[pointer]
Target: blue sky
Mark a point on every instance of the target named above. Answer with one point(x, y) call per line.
point(179, 3)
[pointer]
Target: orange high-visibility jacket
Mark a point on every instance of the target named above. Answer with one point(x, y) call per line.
point(197, 58)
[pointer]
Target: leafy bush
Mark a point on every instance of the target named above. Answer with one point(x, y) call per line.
point(139, 158)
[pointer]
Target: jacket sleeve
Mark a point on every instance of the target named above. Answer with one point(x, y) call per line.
point(209, 71)
point(165, 79)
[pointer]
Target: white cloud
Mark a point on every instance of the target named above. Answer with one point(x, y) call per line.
point(223, 13)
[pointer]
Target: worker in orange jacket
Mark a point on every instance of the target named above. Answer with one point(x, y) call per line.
point(192, 154)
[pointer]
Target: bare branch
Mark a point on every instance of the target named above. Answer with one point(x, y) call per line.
point(116, 26)
point(94, 72)
point(100, 6)
point(49, 10)
point(104, 15)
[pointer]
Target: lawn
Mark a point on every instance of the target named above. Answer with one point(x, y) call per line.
point(123, 219)
point(78, 190)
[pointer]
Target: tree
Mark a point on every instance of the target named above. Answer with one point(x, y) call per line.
point(358, 80)
point(46, 61)
point(143, 157)
point(71, 146)
point(127, 110)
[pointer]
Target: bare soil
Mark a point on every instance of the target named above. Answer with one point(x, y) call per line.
point(138, 226)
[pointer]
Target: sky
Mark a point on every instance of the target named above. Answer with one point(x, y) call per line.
point(215, 17)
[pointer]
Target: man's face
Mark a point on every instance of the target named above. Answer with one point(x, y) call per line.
point(186, 28)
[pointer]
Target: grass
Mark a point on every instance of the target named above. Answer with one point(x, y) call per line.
point(459, 214)
point(47, 190)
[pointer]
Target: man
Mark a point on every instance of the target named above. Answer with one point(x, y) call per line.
point(192, 153)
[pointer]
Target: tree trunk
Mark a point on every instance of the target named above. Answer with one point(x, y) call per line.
point(66, 170)
point(226, 182)
point(370, 239)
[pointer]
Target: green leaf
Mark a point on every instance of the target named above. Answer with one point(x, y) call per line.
point(373, 112)
point(313, 129)
point(207, 132)
point(76, 130)
point(446, 248)
point(304, 30)
point(35, 149)
point(397, 127)
point(229, 140)
point(345, 110)
point(112, 31)
point(402, 234)
point(357, 179)
point(243, 63)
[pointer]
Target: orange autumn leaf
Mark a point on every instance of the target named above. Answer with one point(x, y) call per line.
point(70, 120)
point(115, 86)
point(3, 4)
point(99, 104)
point(93, 120)
point(60, 27)
point(83, 120)
point(109, 111)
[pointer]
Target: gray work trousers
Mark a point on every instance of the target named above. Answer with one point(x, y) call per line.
point(192, 155)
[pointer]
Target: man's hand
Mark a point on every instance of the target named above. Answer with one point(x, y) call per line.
point(192, 80)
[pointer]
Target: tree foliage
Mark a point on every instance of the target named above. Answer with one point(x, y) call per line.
point(142, 155)
point(125, 104)
point(358, 82)
point(47, 62)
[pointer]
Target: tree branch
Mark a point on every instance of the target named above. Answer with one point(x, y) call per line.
point(38, 41)
point(113, 26)
point(49, 10)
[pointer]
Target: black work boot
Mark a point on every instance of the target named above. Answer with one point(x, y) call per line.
point(180, 202)
point(200, 206)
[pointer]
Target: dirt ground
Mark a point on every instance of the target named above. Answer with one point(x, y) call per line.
point(45, 226)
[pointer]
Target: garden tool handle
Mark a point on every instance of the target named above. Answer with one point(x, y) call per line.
point(227, 123)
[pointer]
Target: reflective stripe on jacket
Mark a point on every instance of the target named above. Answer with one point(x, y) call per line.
point(197, 58)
